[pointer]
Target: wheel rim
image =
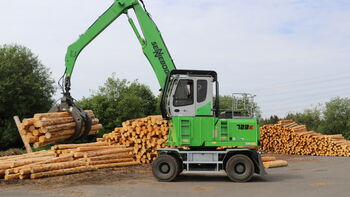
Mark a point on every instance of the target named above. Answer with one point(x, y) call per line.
point(239, 168)
point(164, 168)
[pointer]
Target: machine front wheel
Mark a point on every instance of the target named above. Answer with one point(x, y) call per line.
point(180, 164)
point(240, 168)
point(165, 168)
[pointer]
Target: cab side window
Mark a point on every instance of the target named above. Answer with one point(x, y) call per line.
point(201, 90)
point(183, 93)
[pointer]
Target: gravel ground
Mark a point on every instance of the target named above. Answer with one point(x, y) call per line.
point(305, 176)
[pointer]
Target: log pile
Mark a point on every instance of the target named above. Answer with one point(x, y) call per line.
point(49, 128)
point(288, 137)
point(145, 135)
point(65, 159)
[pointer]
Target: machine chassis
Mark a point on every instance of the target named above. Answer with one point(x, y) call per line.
point(209, 161)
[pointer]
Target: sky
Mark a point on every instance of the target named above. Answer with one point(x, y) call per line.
point(291, 54)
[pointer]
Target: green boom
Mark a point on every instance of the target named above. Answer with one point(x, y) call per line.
point(152, 42)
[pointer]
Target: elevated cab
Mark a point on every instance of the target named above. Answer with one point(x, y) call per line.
point(189, 103)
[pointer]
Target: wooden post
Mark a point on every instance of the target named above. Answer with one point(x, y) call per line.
point(26, 144)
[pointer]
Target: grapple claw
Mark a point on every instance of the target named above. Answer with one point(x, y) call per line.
point(82, 120)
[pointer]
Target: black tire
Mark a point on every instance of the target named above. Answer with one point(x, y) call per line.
point(240, 168)
point(180, 164)
point(165, 168)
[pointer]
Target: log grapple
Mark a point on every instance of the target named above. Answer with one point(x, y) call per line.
point(81, 118)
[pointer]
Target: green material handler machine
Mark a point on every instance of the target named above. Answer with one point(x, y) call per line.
point(190, 102)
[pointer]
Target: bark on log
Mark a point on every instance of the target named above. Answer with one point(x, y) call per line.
point(5, 166)
point(29, 155)
point(105, 152)
point(265, 159)
point(93, 148)
point(58, 127)
point(69, 146)
point(109, 156)
point(112, 165)
point(28, 167)
point(110, 161)
point(49, 135)
point(22, 134)
point(58, 166)
point(61, 120)
point(62, 172)
point(51, 115)
point(28, 161)
point(50, 141)
point(11, 176)
point(274, 164)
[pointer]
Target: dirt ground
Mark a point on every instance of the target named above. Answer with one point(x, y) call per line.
point(305, 176)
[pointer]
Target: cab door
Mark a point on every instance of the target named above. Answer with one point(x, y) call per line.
point(204, 96)
point(181, 102)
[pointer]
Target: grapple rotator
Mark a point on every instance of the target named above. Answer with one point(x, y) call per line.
point(81, 118)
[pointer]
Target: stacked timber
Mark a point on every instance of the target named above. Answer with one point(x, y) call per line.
point(65, 159)
point(288, 137)
point(49, 128)
point(145, 135)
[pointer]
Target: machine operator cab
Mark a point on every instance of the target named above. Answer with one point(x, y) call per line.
point(189, 93)
point(190, 101)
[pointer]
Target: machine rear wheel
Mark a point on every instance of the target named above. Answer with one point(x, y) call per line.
point(240, 168)
point(165, 168)
point(180, 164)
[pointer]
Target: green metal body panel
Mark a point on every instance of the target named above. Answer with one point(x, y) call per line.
point(152, 42)
point(213, 132)
point(205, 110)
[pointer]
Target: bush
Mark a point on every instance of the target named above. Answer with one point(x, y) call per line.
point(26, 87)
point(120, 100)
point(336, 117)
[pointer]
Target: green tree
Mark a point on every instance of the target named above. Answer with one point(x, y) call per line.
point(26, 87)
point(226, 103)
point(120, 100)
point(310, 117)
point(158, 110)
point(337, 117)
point(272, 120)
